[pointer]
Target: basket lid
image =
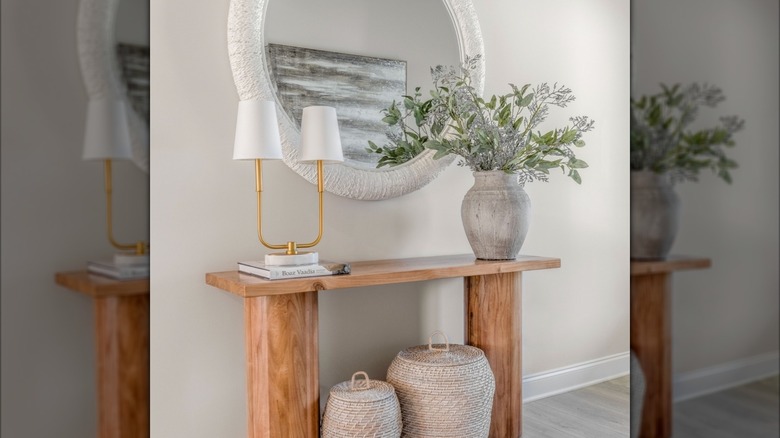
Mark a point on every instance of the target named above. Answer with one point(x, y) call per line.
point(442, 354)
point(362, 390)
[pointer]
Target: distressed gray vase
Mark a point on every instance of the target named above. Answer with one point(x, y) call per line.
point(496, 212)
point(655, 211)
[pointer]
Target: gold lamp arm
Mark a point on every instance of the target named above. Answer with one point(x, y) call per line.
point(259, 189)
point(140, 246)
point(291, 247)
point(320, 189)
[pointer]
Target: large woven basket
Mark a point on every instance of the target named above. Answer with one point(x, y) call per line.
point(445, 390)
point(366, 408)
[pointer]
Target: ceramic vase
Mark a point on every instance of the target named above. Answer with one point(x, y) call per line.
point(655, 214)
point(496, 212)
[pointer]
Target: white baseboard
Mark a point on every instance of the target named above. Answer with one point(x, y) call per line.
point(719, 377)
point(557, 381)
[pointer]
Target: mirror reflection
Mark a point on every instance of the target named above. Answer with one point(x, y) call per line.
point(357, 56)
point(132, 49)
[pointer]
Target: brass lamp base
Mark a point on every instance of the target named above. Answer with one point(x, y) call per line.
point(284, 259)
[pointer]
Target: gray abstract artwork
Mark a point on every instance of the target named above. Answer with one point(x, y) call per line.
point(134, 63)
point(359, 87)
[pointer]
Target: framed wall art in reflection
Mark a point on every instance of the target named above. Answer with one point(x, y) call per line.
point(134, 64)
point(359, 87)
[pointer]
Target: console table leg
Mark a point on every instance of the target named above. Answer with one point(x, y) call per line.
point(650, 340)
point(282, 365)
point(122, 341)
point(494, 324)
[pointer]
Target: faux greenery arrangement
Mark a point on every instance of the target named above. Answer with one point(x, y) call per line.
point(493, 134)
point(662, 142)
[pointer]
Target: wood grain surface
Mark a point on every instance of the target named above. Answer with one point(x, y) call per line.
point(670, 264)
point(494, 324)
point(99, 286)
point(122, 341)
point(281, 335)
point(371, 273)
point(651, 341)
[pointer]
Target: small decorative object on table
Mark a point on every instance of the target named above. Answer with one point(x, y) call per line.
point(663, 151)
point(357, 409)
point(272, 272)
point(444, 390)
point(495, 138)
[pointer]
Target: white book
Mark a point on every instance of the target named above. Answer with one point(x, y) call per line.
point(322, 268)
point(110, 269)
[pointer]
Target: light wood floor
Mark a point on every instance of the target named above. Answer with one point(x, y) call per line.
point(749, 411)
point(598, 411)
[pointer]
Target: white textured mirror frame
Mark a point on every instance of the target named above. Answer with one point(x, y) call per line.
point(96, 39)
point(246, 47)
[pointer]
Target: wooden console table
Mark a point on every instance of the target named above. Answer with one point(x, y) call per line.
point(122, 342)
point(280, 326)
point(651, 336)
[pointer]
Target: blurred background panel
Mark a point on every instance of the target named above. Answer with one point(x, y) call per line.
point(53, 217)
point(725, 319)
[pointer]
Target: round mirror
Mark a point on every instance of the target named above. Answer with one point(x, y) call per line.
point(357, 56)
point(113, 47)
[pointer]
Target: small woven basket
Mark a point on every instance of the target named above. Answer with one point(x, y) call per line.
point(367, 408)
point(444, 390)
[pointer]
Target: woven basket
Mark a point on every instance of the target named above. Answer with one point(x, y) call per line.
point(445, 390)
point(367, 408)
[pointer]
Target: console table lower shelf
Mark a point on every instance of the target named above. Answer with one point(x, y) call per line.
point(281, 334)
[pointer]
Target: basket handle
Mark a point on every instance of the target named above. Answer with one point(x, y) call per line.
point(446, 341)
point(364, 385)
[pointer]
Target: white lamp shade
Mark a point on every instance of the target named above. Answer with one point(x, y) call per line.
point(257, 131)
point(320, 139)
point(107, 135)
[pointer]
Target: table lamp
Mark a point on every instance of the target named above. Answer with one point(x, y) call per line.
point(257, 138)
point(107, 138)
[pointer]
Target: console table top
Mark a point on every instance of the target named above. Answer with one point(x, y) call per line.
point(669, 264)
point(99, 286)
point(377, 272)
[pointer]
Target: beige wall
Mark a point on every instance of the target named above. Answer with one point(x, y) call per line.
point(52, 220)
point(203, 216)
point(729, 312)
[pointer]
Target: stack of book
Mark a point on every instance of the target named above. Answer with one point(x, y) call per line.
point(120, 269)
point(260, 269)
